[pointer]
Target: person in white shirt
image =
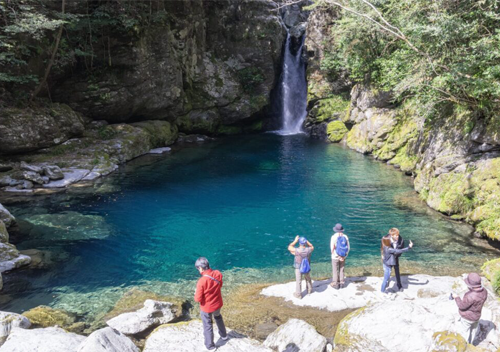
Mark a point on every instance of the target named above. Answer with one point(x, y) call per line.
point(339, 247)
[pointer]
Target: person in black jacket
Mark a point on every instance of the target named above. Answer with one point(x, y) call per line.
point(397, 242)
point(390, 256)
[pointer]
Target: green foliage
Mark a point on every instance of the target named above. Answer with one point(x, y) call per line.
point(454, 55)
point(250, 78)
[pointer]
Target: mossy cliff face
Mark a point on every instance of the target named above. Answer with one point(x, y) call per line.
point(209, 64)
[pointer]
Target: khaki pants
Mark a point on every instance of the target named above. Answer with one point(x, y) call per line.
point(469, 329)
point(338, 272)
point(298, 282)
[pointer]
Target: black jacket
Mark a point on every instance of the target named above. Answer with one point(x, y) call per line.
point(399, 245)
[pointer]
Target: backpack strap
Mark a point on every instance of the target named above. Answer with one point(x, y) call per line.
point(211, 278)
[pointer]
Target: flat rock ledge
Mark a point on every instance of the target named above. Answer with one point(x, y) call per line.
point(188, 337)
point(398, 321)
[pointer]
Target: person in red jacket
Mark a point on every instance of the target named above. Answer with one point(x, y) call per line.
point(209, 296)
point(471, 305)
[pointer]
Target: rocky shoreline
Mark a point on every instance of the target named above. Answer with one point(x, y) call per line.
point(420, 318)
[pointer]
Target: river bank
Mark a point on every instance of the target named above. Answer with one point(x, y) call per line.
point(319, 314)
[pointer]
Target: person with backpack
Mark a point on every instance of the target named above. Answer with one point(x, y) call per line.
point(397, 242)
point(302, 264)
point(339, 247)
point(208, 294)
point(388, 258)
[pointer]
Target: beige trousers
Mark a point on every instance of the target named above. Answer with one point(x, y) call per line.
point(298, 282)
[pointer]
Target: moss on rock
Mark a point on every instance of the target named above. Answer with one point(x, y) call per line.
point(491, 270)
point(43, 317)
point(331, 108)
point(336, 130)
point(448, 341)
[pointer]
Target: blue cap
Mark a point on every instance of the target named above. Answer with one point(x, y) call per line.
point(302, 240)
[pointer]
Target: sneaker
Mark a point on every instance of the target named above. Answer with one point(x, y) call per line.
point(401, 289)
point(211, 348)
point(225, 338)
point(297, 295)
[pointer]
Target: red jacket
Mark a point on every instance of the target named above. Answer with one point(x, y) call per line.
point(208, 291)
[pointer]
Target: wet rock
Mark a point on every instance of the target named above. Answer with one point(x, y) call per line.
point(8, 181)
point(188, 337)
point(44, 317)
point(298, 30)
point(160, 150)
point(10, 258)
point(153, 313)
point(5, 167)
point(4, 235)
point(8, 321)
point(39, 259)
point(296, 335)
point(31, 168)
point(24, 130)
point(193, 138)
point(107, 340)
point(33, 177)
point(70, 176)
point(70, 225)
point(6, 216)
point(53, 172)
point(41, 340)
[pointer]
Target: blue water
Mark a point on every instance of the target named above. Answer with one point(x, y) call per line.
point(238, 201)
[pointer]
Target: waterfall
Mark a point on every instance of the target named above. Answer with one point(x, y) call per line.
point(293, 90)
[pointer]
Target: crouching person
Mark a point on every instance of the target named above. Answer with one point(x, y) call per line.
point(208, 294)
point(471, 305)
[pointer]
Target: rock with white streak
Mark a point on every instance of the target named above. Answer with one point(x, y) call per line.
point(153, 313)
point(10, 258)
point(107, 340)
point(8, 321)
point(7, 218)
point(33, 177)
point(296, 335)
point(188, 337)
point(70, 176)
point(51, 339)
point(160, 150)
point(31, 168)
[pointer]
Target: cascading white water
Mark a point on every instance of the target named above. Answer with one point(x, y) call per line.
point(293, 90)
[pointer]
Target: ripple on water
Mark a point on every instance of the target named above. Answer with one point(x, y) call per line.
point(239, 202)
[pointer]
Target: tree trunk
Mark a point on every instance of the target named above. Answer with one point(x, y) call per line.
point(52, 57)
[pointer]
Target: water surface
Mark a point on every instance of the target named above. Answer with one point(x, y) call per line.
point(238, 201)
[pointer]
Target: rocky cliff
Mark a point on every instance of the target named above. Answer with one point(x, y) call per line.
point(455, 158)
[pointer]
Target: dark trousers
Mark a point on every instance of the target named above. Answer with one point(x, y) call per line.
point(208, 330)
point(398, 276)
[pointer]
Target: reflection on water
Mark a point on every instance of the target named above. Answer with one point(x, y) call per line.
point(239, 202)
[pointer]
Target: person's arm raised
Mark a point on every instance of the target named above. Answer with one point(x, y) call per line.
point(291, 246)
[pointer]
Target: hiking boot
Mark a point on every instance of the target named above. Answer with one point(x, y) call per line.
point(225, 338)
point(297, 295)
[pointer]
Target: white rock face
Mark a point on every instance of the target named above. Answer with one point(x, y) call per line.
point(70, 176)
point(188, 337)
point(296, 335)
point(9, 321)
point(413, 315)
point(107, 340)
point(152, 314)
point(42, 340)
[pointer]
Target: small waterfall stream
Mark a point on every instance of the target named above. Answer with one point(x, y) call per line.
point(293, 89)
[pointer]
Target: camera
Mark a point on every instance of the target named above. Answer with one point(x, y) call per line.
point(451, 297)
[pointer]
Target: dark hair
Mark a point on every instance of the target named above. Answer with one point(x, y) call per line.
point(202, 262)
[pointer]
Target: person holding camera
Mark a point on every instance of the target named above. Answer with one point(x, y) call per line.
point(389, 256)
point(470, 306)
point(301, 264)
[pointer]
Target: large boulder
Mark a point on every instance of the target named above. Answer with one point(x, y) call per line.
point(107, 340)
point(8, 321)
point(41, 340)
point(44, 317)
point(188, 337)
point(296, 335)
point(153, 313)
point(5, 216)
point(24, 130)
